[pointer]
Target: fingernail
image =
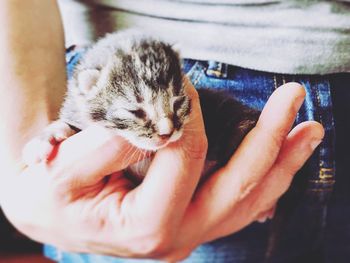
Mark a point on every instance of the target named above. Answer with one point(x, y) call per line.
point(298, 102)
point(262, 219)
point(315, 143)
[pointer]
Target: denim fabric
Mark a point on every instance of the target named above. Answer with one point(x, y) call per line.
point(299, 230)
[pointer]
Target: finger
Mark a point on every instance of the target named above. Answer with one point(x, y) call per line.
point(35, 151)
point(297, 148)
point(175, 171)
point(90, 155)
point(252, 160)
point(260, 148)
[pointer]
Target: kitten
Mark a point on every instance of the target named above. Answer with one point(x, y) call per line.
point(133, 85)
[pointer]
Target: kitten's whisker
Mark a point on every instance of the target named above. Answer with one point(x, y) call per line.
point(136, 155)
point(143, 159)
point(126, 155)
point(138, 162)
point(129, 150)
point(131, 155)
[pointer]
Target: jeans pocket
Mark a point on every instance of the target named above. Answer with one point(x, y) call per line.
point(196, 73)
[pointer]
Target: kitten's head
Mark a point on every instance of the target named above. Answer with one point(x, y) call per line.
point(140, 94)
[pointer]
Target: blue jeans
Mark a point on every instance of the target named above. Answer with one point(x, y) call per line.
point(305, 227)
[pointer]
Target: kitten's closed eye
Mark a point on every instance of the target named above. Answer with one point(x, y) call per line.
point(139, 113)
point(178, 103)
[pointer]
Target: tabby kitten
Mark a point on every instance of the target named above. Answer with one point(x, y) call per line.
point(133, 84)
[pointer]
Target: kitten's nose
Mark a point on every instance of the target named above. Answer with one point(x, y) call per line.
point(165, 128)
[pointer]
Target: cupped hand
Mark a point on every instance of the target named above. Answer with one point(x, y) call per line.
point(80, 201)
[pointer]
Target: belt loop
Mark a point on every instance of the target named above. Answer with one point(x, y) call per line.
point(217, 69)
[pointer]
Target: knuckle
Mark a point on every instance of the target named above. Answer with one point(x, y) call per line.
point(155, 246)
point(179, 254)
point(274, 135)
point(198, 150)
point(246, 189)
point(276, 138)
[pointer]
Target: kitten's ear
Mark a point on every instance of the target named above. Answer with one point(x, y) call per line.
point(87, 80)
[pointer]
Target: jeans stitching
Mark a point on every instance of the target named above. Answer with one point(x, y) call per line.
point(283, 80)
point(195, 73)
point(330, 189)
point(275, 81)
point(325, 174)
point(318, 117)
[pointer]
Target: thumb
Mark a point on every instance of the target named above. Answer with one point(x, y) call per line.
point(90, 155)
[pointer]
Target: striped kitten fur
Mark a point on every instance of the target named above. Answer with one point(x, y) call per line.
point(133, 84)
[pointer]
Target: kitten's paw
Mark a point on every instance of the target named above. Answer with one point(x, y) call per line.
point(36, 150)
point(41, 147)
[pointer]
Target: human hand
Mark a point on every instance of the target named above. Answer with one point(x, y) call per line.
point(69, 202)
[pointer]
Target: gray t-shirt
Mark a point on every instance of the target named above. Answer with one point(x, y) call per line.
point(286, 36)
